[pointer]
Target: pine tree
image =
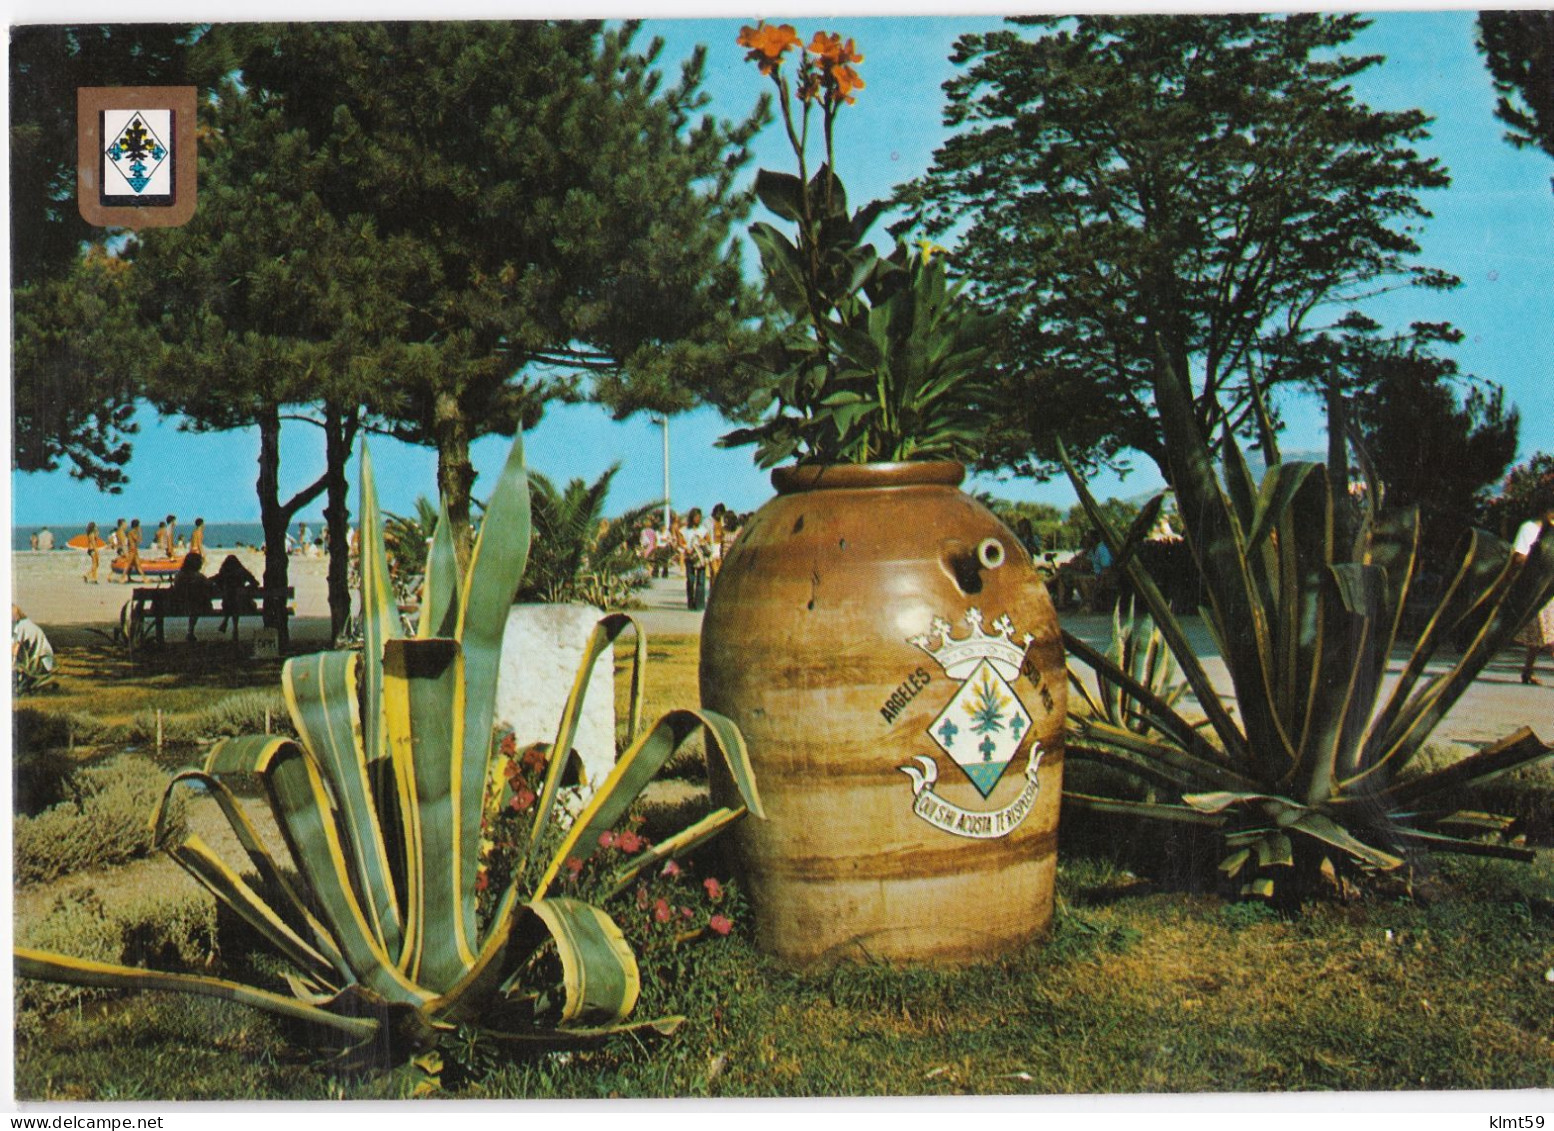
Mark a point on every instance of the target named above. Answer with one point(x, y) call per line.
point(570, 215)
point(1519, 49)
point(74, 357)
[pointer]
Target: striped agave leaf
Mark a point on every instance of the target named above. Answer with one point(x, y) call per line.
point(1307, 589)
point(379, 802)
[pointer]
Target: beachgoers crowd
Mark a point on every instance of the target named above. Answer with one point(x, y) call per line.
point(128, 551)
point(693, 546)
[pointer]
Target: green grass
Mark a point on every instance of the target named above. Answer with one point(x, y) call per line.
point(1145, 992)
point(1142, 987)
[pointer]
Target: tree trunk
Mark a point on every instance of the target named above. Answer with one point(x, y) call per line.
point(275, 516)
point(340, 426)
point(275, 519)
point(455, 472)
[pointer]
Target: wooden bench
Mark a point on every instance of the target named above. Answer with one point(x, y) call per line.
point(155, 605)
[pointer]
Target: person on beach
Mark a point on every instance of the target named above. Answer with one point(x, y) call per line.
point(93, 545)
point(118, 546)
point(715, 543)
point(197, 539)
point(45, 539)
point(169, 537)
point(132, 551)
point(1538, 633)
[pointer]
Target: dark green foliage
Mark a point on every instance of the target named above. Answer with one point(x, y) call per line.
point(1431, 448)
point(578, 554)
point(1205, 180)
point(68, 405)
point(1527, 493)
point(1519, 49)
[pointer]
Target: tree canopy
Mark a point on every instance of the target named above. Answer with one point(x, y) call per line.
point(73, 357)
point(1519, 48)
point(570, 213)
point(1439, 440)
point(1131, 190)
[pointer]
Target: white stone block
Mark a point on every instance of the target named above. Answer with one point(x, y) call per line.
point(541, 652)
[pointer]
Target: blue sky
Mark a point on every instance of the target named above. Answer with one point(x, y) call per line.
point(1494, 227)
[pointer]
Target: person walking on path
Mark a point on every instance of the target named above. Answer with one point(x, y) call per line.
point(1538, 633)
point(647, 542)
point(132, 551)
point(168, 537)
point(94, 544)
point(698, 552)
point(197, 539)
point(715, 549)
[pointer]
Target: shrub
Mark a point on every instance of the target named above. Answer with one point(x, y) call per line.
point(244, 712)
point(40, 779)
point(168, 929)
point(106, 823)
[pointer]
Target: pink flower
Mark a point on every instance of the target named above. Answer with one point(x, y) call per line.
point(607, 839)
point(509, 744)
point(482, 880)
point(629, 842)
point(662, 911)
point(714, 889)
point(671, 868)
point(642, 897)
point(575, 866)
point(523, 797)
point(720, 924)
point(687, 913)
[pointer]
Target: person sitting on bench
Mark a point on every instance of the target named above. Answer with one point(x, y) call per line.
point(238, 588)
point(191, 590)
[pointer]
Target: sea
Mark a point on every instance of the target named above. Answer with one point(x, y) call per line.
point(223, 535)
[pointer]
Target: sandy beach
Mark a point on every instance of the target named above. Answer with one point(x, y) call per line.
point(48, 587)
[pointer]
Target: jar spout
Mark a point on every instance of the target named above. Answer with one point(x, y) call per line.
point(967, 563)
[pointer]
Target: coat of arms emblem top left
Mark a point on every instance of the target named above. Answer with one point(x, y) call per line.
point(136, 164)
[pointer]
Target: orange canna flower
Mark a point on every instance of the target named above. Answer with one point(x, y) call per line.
point(837, 58)
point(768, 44)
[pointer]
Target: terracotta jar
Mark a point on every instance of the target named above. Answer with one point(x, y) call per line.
point(894, 662)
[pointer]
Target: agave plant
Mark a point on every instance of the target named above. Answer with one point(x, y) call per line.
point(1308, 578)
point(380, 803)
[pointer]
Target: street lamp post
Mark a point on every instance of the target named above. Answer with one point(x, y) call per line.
point(664, 421)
